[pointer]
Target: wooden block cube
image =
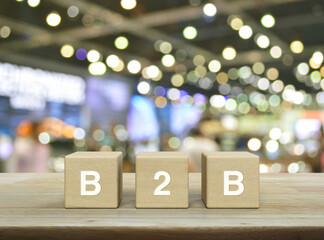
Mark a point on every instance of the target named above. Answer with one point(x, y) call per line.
point(162, 180)
point(230, 180)
point(93, 179)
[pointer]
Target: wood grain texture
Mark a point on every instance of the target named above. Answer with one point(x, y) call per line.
point(32, 207)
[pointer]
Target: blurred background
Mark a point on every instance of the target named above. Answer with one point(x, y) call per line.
point(171, 75)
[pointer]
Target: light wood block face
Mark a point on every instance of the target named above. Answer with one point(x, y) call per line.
point(93, 180)
point(230, 180)
point(162, 180)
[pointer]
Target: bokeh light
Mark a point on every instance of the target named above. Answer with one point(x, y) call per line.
point(33, 3)
point(272, 146)
point(275, 133)
point(53, 19)
point(245, 32)
point(134, 66)
point(112, 61)
point(268, 21)
point(152, 71)
point(160, 102)
point(165, 47)
point(5, 32)
point(168, 60)
point(174, 142)
point(73, 11)
point(177, 80)
point(128, 4)
point(199, 60)
point(318, 57)
point(275, 52)
point(44, 138)
point(218, 101)
point(214, 66)
point(190, 32)
point(235, 22)
point(210, 9)
point(67, 50)
point(93, 56)
point(97, 68)
point(81, 54)
point(254, 144)
point(293, 168)
point(120, 66)
point(258, 68)
point(297, 47)
point(262, 41)
point(121, 42)
point(143, 87)
point(79, 133)
point(229, 53)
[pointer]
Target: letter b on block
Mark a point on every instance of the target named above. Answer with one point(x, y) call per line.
point(93, 180)
point(230, 180)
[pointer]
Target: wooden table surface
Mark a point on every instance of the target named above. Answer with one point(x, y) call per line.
point(32, 207)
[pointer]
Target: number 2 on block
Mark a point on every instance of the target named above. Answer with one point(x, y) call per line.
point(158, 190)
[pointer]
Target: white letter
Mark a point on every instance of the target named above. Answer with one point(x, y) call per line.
point(237, 182)
point(94, 182)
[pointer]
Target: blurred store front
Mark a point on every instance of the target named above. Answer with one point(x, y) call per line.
point(182, 75)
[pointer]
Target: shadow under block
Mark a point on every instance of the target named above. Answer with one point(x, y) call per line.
point(230, 180)
point(162, 180)
point(93, 179)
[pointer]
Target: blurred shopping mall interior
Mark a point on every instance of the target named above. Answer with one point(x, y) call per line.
point(161, 75)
